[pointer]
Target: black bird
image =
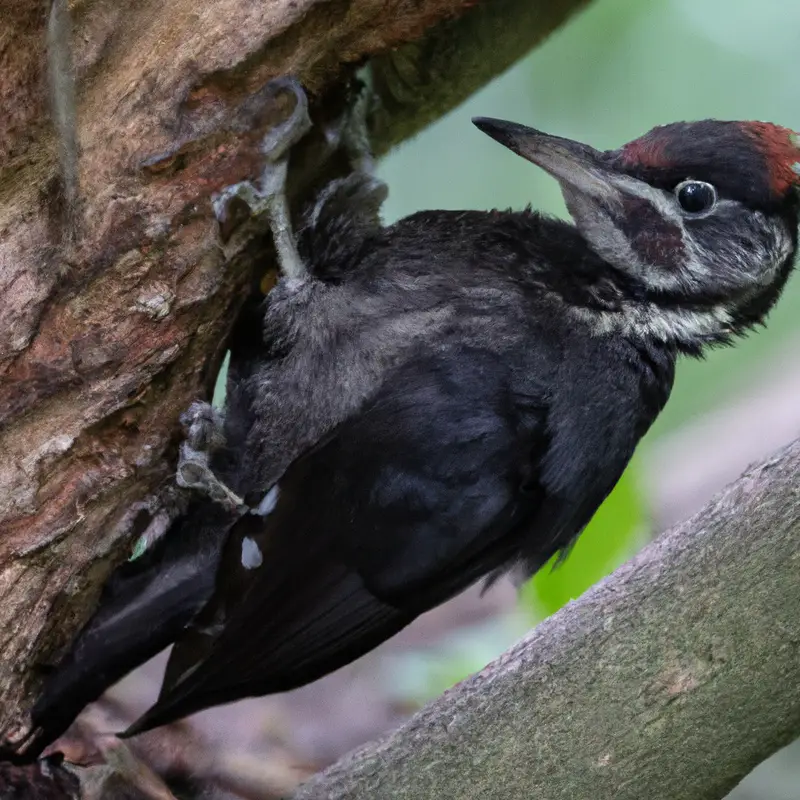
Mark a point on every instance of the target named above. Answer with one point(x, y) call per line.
point(441, 401)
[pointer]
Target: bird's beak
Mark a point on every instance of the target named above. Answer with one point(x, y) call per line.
point(576, 166)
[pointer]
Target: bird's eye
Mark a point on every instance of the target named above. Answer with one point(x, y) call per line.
point(696, 197)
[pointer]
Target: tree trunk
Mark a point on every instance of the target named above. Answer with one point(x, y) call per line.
point(119, 122)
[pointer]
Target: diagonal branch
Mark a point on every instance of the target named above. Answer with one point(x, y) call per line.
point(426, 78)
point(672, 678)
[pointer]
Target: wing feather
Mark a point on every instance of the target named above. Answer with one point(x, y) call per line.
point(422, 493)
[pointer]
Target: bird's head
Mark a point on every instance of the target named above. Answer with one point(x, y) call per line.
point(701, 215)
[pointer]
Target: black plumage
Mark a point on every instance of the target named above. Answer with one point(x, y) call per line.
point(440, 401)
point(385, 539)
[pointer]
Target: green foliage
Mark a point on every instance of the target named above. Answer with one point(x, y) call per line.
point(218, 401)
point(416, 676)
point(610, 538)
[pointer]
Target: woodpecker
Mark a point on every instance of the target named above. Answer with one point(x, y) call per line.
point(434, 403)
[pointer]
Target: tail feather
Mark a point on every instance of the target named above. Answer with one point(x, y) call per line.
point(145, 606)
point(299, 643)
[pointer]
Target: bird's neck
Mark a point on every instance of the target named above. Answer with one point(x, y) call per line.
point(612, 301)
point(686, 330)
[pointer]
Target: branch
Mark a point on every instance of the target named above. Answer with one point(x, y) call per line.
point(672, 678)
point(426, 78)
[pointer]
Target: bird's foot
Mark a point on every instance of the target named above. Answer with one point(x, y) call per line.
point(268, 196)
point(194, 473)
point(205, 427)
point(356, 197)
point(204, 435)
point(355, 136)
point(351, 132)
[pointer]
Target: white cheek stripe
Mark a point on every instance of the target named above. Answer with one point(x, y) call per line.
point(648, 321)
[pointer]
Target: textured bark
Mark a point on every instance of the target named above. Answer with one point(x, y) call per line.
point(672, 678)
point(116, 294)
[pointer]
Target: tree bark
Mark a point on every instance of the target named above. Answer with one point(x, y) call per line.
point(670, 679)
point(116, 294)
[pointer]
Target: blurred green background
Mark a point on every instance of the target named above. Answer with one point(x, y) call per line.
point(610, 74)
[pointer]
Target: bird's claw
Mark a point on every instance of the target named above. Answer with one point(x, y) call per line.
point(204, 435)
point(267, 197)
point(194, 473)
point(279, 141)
point(350, 131)
point(355, 132)
point(204, 426)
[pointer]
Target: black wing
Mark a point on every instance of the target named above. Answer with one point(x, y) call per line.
point(433, 485)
